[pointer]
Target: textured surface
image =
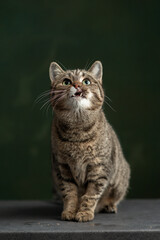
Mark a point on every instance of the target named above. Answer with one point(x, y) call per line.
point(136, 219)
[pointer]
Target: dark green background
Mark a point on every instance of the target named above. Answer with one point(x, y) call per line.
point(125, 36)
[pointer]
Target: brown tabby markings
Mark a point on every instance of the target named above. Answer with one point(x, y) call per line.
point(89, 169)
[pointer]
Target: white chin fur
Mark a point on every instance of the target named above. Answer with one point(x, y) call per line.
point(79, 102)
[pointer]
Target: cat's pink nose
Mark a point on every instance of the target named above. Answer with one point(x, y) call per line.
point(75, 85)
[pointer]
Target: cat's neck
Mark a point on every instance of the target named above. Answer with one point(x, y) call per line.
point(79, 118)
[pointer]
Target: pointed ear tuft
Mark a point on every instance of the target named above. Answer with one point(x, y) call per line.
point(96, 70)
point(54, 71)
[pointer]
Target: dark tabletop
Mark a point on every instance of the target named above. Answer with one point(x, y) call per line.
point(136, 219)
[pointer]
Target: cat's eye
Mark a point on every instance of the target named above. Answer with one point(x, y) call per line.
point(86, 81)
point(66, 82)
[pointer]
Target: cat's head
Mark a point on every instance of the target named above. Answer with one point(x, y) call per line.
point(76, 89)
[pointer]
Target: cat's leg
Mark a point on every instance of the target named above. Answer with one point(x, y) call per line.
point(117, 191)
point(69, 192)
point(89, 201)
point(110, 200)
point(113, 195)
point(97, 183)
point(107, 203)
point(70, 200)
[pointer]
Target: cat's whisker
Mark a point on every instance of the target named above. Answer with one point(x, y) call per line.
point(42, 95)
point(110, 106)
point(46, 94)
point(47, 91)
point(88, 64)
point(47, 108)
point(53, 100)
point(59, 90)
point(56, 102)
point(45, 104)
point(44, 100)
point(60, 98)
point(108, 98)
point(50, 100)
point(44, 110)
point(62, 65)
point(59, 94)
point(39, 99)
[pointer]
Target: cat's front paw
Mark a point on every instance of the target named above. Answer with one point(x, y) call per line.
point(68, 215)
point(84, 216)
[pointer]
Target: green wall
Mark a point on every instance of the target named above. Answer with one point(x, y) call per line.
point(125, 36)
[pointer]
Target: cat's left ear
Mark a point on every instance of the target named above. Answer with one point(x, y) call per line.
point(96, 70)
point(54, 71)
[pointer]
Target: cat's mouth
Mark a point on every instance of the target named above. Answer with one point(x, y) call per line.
point(77, 94)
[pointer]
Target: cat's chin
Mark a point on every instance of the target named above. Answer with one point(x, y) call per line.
point(79, 102)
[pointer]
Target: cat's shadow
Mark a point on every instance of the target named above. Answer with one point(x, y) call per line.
point(45, 211)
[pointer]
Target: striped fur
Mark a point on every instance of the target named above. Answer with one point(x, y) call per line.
point(89, 170)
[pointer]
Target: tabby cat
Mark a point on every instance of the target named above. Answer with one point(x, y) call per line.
point(88, 167)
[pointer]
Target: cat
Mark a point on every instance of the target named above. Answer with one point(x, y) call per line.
point(88, 167)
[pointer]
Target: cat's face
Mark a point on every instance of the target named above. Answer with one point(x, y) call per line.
point(76, 89)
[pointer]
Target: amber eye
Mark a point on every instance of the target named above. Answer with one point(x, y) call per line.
point(66, 82)
point(86, 82)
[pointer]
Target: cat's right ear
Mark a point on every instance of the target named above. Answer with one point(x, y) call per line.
point(96, 70)
point(54, 71)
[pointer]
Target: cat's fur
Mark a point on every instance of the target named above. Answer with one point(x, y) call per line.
point(88, 166)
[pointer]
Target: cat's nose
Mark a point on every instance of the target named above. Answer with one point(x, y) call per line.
point(76, 85)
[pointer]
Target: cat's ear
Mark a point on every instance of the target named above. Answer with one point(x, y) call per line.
point(96, 70)
point(54, 71)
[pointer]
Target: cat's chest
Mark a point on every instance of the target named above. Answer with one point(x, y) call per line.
point(79, 163)
point(79, 172)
